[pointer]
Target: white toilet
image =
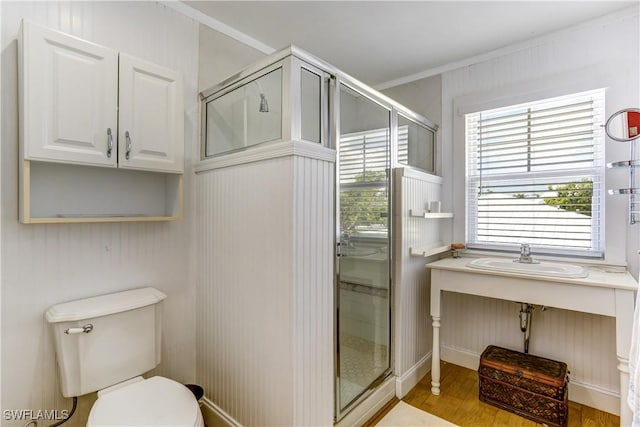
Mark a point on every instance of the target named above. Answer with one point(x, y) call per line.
point(104, 344)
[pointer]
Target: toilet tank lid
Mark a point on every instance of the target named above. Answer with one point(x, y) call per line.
point(103, 305)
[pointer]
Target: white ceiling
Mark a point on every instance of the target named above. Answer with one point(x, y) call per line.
point(385, 42)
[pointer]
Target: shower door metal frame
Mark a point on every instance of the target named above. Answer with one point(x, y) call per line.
point(335, 137)
point(394, 109)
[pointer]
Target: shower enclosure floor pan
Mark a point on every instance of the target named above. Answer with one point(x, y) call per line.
point(361, 363)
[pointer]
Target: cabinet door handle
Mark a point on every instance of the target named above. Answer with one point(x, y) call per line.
point(128, 138)
point(109, 143)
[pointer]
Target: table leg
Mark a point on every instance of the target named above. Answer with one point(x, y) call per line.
point(435, 357)
point(624, 329)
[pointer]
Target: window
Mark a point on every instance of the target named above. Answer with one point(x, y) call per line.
point(310, 105)
point(416, 145)
point(535, 175)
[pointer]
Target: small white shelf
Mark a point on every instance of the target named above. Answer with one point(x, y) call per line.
point(428, 251)
point(67, 193)
point(431, 215)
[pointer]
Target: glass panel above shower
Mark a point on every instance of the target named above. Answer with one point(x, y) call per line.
point(310, 102)
point(290, 96)
point(416, 145)
point(281, 99)
point(247, 115)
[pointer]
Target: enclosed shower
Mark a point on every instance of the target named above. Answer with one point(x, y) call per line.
point(342, 140)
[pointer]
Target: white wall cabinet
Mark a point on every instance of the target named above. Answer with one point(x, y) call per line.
point(86, 104)
point(69, 98)
point(85, 108)
point(151, 124)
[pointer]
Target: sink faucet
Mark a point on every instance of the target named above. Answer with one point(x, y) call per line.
point(525, 255)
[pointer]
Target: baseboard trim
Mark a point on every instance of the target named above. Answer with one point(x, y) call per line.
point(585, 394)
point(460, 357)
point(596, 397)
point(412, 377)
point(214, 416)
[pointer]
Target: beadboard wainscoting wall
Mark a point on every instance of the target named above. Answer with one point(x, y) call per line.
point(265, 286)
point(47, 264)
point(412, 329)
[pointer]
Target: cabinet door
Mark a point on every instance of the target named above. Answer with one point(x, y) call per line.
point(151, 126)
point(68, 98)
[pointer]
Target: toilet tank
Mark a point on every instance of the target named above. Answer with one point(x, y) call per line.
point(104, 340)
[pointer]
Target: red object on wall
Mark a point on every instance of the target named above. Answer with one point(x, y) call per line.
point(633, 123)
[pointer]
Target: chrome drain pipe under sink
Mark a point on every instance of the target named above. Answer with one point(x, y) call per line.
point(525, 323)
point(526, 310)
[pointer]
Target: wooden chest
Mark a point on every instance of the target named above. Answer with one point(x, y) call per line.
point(530, 386)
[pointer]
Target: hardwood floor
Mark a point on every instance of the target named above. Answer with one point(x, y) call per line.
point(458, 403)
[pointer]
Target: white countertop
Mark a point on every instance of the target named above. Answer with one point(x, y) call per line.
point(599, 276)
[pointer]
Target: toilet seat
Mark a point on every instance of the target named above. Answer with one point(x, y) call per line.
point(156, 401)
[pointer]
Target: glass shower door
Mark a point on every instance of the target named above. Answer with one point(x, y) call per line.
point(363, 273)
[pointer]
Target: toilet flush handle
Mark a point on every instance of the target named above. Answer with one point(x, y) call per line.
point(85, 329)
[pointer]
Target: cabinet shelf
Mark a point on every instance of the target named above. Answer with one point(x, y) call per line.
point(430, 250)
point(79, 220)
point(63, 193)
point(430, 215)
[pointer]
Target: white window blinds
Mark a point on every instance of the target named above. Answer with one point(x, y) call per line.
point(364, 161)
point(362, 154)
point(535, 175)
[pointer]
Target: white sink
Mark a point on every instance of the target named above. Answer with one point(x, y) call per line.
point(549, 269)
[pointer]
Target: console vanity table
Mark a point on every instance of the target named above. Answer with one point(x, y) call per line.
point(602, 293)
